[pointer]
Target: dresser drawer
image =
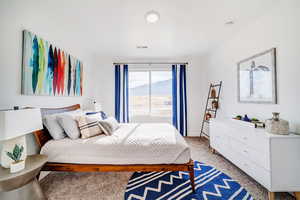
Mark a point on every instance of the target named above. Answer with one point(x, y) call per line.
point(258, 173)
point(259, 141)
point(241, 133)
point(218, 137)
point(219, 142)
point(261, 158)
point(249, 137)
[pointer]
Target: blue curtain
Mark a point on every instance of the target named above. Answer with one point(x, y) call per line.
point(121, 93)
point(179, 117)
point(174, 95)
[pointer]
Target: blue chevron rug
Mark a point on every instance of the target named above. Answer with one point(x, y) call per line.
point(211, 184)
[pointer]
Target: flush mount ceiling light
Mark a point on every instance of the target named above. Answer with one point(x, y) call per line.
point(230, 22)
point(142, 47)
point(152, 16)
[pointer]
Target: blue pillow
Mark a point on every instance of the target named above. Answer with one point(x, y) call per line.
point(102, 114)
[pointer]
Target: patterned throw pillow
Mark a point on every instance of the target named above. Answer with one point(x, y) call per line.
point(88, 126)
point(109, 125)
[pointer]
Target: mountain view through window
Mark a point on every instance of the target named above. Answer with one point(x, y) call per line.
point(150, 93)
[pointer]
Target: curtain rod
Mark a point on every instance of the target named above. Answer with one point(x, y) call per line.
point(151, 63)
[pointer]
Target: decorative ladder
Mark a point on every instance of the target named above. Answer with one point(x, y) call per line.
point(210, 109)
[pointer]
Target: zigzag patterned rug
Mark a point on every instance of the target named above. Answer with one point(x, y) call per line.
point(211, 184)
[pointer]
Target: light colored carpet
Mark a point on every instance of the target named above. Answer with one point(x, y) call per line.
point(111, 186)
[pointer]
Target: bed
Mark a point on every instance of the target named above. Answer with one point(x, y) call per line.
point(133, 147)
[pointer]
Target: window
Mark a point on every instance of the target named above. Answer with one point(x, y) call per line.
point(139, 92)
point(150, 93)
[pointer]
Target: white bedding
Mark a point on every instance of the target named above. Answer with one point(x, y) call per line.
point(130, 144)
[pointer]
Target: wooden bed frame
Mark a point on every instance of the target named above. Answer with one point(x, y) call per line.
point(43, 136)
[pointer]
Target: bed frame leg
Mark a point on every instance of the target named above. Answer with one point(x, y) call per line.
point(192, 177)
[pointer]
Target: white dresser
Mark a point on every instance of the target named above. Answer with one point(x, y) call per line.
point(272, 160)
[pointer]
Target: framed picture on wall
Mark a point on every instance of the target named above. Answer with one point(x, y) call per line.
point(257, 78)
point(49, 70)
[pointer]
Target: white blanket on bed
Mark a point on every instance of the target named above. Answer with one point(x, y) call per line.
point(130, 144)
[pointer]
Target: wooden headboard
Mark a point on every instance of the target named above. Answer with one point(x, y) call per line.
point(42, 136)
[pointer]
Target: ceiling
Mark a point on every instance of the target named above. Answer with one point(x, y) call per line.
point(116, 27)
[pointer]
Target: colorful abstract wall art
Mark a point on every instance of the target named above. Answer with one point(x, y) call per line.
point(49, 70)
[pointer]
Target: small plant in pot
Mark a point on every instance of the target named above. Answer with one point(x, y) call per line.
point(15, 155)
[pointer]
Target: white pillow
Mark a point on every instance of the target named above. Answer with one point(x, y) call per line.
point(69, 123)
point(109, 125)
point(55, 129)
point(52, 125)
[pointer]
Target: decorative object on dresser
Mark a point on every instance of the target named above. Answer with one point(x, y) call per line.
point(257, 78)
point(277, 125)
point(212, 105)
point(49, 70)
point(259, 124)
point(14, 125)
point(246, 118)
point(272, 160)
point(238, 117)
point(254, 121)
point(24, 184)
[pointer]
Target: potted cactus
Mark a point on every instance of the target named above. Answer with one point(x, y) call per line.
point(15, 155)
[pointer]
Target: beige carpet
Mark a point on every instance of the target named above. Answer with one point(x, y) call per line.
point(111, 186)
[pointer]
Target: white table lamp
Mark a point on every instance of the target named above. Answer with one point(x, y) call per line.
point(97, 107)
point(14, 125)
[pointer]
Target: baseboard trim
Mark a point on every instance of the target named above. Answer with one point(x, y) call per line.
point(193, 133)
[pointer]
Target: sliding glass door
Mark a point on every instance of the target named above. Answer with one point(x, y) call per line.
point(150, 95)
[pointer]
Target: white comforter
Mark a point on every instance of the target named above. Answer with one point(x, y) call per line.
point(130, 144)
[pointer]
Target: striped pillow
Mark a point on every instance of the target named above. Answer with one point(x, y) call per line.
point(88, 126)
point(109, 125)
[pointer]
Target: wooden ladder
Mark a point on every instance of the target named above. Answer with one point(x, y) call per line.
point(209, 108)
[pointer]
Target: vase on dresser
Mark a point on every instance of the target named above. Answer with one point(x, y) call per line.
point(277, 125)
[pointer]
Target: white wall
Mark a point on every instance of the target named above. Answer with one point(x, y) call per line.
point(278, 28)
point(14, 17)
point(196, 88)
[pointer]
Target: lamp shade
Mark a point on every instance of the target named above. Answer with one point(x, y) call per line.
point(97, 107)
point(15, 123)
